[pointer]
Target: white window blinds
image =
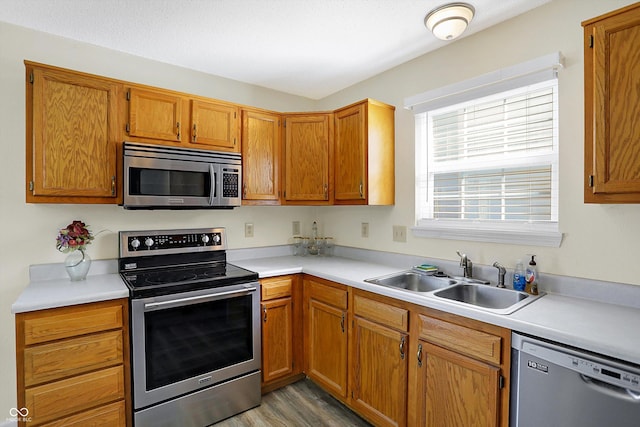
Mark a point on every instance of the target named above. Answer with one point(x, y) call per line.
point(487, 156)
point(494, 158)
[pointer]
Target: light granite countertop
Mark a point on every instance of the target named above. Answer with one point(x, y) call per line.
point(600, 327)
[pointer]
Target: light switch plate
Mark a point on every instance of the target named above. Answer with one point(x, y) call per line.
point(248, 229)
point(399, 233)
point(364, 231)
point(295, 228)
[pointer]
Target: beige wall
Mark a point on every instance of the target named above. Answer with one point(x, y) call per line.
point(29, 230)
point(600, 241)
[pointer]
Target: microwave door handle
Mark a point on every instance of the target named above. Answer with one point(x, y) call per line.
point(214, 187)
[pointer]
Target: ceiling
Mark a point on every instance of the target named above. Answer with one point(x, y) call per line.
point(311, 48)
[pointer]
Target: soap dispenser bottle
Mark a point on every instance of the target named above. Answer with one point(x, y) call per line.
point(519, 280)
point(532, 277)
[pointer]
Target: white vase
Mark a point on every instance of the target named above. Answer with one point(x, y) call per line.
point(77, 265)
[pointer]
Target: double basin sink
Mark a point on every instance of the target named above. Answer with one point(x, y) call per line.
point(467, 292)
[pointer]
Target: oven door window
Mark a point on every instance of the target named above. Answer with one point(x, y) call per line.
point(188, 341)
point(166, 182)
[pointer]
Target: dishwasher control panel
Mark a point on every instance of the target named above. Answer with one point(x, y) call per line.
point(604, 371)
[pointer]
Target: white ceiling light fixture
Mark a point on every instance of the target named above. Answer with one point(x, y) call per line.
point(450, 20)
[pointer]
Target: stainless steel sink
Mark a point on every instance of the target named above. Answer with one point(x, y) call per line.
point(497, 300)
point(413, 281)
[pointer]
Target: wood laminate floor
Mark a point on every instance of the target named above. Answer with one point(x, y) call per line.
point(297, 405)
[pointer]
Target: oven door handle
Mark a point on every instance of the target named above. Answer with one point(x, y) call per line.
point(196, 300)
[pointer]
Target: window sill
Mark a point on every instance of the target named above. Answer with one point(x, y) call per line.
point(508, 236)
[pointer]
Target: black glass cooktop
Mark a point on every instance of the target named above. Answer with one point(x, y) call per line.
point(171, 280)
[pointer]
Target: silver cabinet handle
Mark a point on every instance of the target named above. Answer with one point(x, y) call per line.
point(419, 355)
point(402, 348)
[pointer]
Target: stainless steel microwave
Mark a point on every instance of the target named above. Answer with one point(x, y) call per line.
point(164, 177)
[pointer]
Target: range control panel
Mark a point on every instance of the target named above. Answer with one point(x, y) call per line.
point(137, 243)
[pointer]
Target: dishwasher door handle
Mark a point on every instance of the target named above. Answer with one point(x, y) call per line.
point(611, 390)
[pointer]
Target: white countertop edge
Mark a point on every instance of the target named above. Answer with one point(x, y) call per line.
point(568, 320)
point(54, 293)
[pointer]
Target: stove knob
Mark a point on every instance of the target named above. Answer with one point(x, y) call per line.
point(135, 243)
point(148, 242)
point(205, 238)
point(216, 239)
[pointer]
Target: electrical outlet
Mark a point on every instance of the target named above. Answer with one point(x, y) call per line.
point(399, 233)
point(295, 228)
point(364, 230)
point(248, 229)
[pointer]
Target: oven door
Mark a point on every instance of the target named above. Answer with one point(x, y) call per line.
point(190, 341)
point(162, 182)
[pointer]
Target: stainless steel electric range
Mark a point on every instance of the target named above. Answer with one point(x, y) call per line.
point(195, 327)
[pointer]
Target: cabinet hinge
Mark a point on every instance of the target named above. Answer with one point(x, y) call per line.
point(501, 382)
point(234, 115)
point(128, 96)
point(30, 185)
point(591, 41)
point(31, 77)
point(127, 128)
point(590, 180)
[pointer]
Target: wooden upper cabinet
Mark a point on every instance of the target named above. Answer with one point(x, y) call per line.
point(308, 155)
point(155, 114)
point(612, 107)
point(72, 137)
point(214, 125)
point(364, 154)
point(261, 151)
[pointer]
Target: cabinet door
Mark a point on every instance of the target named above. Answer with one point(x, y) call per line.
point(612, 107)
point(155, 115)
point(327, 347)
point(214, 126)
point(277, 341)
point(73, 149)
point(380, 373)
point(455, 390)
point(351, 153)
point(307, 156)
point(260, 156)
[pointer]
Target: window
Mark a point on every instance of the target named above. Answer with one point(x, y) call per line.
point(487, 165)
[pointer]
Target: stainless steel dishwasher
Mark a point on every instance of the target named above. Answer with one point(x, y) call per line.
point(558, 386)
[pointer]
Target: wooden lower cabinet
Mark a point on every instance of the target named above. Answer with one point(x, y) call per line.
point(325, 326)
point(456, 390)
point(73, 365)
point(460, 372)
point(281, 331)
point(379, 360)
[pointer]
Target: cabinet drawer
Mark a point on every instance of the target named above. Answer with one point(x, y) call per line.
point(48, 362)
point(477, 344)
point(388, 315)
point(112, 415)
point(54, 400)
point(65, 323)
point(334, 296)
point(279, 287)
